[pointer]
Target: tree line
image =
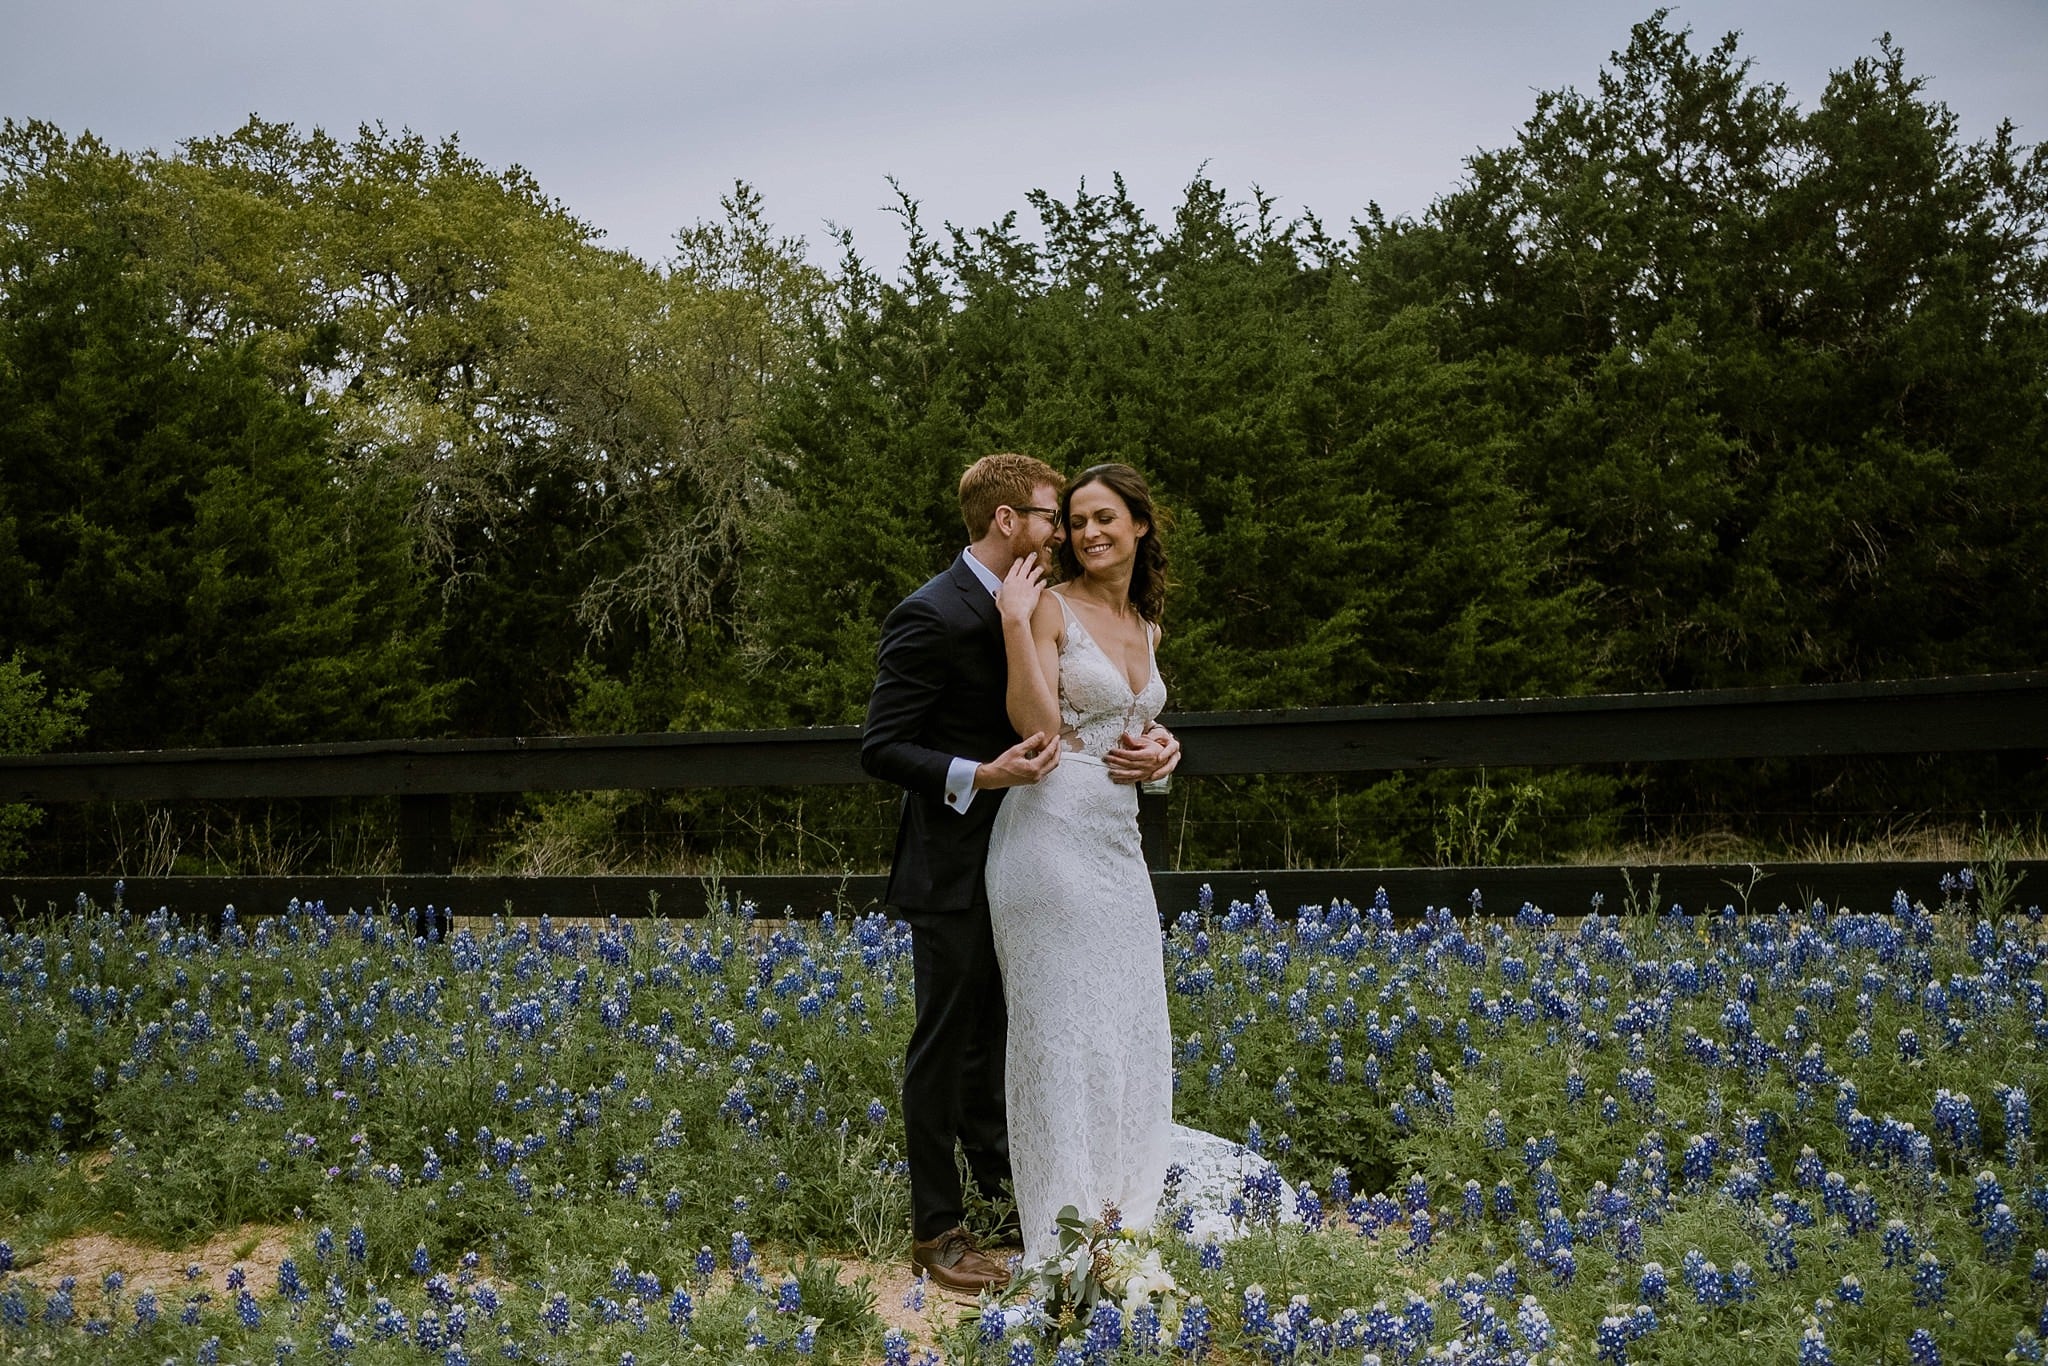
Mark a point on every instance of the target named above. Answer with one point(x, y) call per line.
point(1683, 386)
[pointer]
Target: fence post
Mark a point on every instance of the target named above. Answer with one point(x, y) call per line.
point(426, 840)
point(1152, 830)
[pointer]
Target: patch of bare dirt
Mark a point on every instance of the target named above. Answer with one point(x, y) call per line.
point(897, 1302)
point(88, 1257)
point(259, 1249)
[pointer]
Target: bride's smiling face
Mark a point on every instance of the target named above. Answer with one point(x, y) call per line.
point(1100, 529)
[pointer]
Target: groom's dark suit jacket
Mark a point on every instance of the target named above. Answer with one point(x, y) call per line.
point(939, 696)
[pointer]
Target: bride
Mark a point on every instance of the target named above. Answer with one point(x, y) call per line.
point(1089, 1069)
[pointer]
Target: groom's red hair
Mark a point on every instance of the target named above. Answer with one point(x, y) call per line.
point(1005, 479)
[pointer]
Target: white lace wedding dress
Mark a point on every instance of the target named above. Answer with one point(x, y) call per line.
point(1089, 1069)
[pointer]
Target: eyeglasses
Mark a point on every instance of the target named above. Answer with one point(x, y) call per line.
point(1050, 514)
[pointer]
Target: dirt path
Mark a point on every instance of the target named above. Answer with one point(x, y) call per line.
point(260, 1248)
point(257, 1248)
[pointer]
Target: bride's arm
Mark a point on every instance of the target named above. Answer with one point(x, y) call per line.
point(1031, 633)
point(1034, 653)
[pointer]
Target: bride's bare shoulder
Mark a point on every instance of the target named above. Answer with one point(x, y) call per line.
point(1048, 622)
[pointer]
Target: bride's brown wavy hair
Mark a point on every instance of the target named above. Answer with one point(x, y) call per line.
point(1148, 575)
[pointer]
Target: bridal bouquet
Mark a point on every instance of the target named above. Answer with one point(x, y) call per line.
point(1100, 1261)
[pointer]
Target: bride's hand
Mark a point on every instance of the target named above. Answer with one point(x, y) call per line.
point(1144, 758)
point(1134, 759)
point(1018, 597)
point(1168, 749)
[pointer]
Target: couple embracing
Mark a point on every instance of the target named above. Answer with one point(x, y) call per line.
point(1042, 1047)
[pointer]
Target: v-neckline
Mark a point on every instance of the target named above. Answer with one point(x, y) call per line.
point(1151, 665)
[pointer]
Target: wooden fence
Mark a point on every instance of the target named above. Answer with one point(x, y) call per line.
point(1968, 714)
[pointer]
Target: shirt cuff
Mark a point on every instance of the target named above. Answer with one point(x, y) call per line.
point(960, 785)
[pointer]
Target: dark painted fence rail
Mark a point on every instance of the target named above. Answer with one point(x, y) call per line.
point(1968, 714)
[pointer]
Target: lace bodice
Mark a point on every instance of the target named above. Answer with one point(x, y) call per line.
point(1096, 702)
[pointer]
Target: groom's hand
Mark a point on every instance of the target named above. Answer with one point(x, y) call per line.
point(1021, 764)
point(1144, 758)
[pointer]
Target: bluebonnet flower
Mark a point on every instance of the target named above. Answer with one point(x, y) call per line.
point(1955, 1120)
point(1985, 1195)
point(1708, 1286)
point(740, 1254)
point(1192, 1340)
point(1930, 1280)
point(895, 1348)
point(1813, 1347)
point(1612, 1338)
point(1920, 1348)
point(2019, 1122)
point(2001, 1233)
point(1779, 1254)
point(1255, 1318)
point(1308, 1208)
point(1105, 1330)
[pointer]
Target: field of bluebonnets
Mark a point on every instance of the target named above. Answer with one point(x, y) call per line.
point(1804, 1136)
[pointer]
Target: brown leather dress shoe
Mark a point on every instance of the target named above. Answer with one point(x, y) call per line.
point(954, 1263)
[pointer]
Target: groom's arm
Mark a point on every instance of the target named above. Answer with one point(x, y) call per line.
point(910, 680)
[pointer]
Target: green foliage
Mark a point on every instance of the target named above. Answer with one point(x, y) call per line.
point(176, 545)
point(1684, 386)
point(664, 1085)
point(32, 721)
point(1771, 363)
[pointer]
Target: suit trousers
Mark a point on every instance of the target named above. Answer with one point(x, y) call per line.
point(953, 1069)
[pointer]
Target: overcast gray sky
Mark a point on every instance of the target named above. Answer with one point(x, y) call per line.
point(639, 115)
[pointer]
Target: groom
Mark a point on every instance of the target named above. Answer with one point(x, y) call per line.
point(937, 727)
